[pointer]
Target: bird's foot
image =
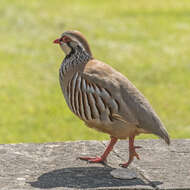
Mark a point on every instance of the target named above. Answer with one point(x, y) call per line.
point(132, 154)
point(103, 157)
point(93, 159)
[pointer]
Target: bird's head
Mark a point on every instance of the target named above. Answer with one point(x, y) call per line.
point(70, 40)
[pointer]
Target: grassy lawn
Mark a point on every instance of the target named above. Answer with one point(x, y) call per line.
point(148, 41)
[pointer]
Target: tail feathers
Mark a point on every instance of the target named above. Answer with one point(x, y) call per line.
point(164, 135)
point(166, 138)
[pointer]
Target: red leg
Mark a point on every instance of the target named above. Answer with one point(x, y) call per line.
point(104, 155)
point(132, 152)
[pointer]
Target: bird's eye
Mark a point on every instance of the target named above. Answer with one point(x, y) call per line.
point(66, 39)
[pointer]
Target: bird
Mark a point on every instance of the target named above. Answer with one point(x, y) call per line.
point(104, 98)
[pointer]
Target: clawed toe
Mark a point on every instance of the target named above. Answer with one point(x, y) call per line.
point(136, 155)
point(137, 147)
point(92, 160)
point(125, 165)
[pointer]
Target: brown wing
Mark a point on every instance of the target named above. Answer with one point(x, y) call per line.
point(92, 102)
point(134, 107)
point(101, 82)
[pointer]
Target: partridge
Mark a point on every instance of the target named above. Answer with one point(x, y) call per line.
point(104, 98)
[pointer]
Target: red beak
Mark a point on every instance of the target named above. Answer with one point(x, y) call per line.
point(57, 41)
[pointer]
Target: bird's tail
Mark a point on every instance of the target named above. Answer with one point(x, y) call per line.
point(165, 136)
point(162, 133)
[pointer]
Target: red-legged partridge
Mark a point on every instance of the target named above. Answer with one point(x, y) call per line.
point(104, 98)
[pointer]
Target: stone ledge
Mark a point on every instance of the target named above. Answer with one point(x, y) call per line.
point(54, 166)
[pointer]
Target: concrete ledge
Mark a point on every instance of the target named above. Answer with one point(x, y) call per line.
point(54, 166)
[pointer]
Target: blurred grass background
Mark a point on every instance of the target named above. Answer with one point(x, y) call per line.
point(148, 41)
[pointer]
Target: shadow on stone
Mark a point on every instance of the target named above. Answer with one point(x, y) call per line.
point(84, 177)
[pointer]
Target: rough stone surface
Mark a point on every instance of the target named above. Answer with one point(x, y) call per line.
point(124, 173)
point(54, 166)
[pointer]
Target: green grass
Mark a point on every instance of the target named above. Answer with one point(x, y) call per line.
point(148, 41)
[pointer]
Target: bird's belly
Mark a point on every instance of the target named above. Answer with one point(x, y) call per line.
point(116, 128)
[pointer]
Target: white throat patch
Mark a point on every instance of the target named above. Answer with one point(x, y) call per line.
point(65, 48)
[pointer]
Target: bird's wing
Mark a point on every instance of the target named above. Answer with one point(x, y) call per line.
point(134, 107)
point(102, 92)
